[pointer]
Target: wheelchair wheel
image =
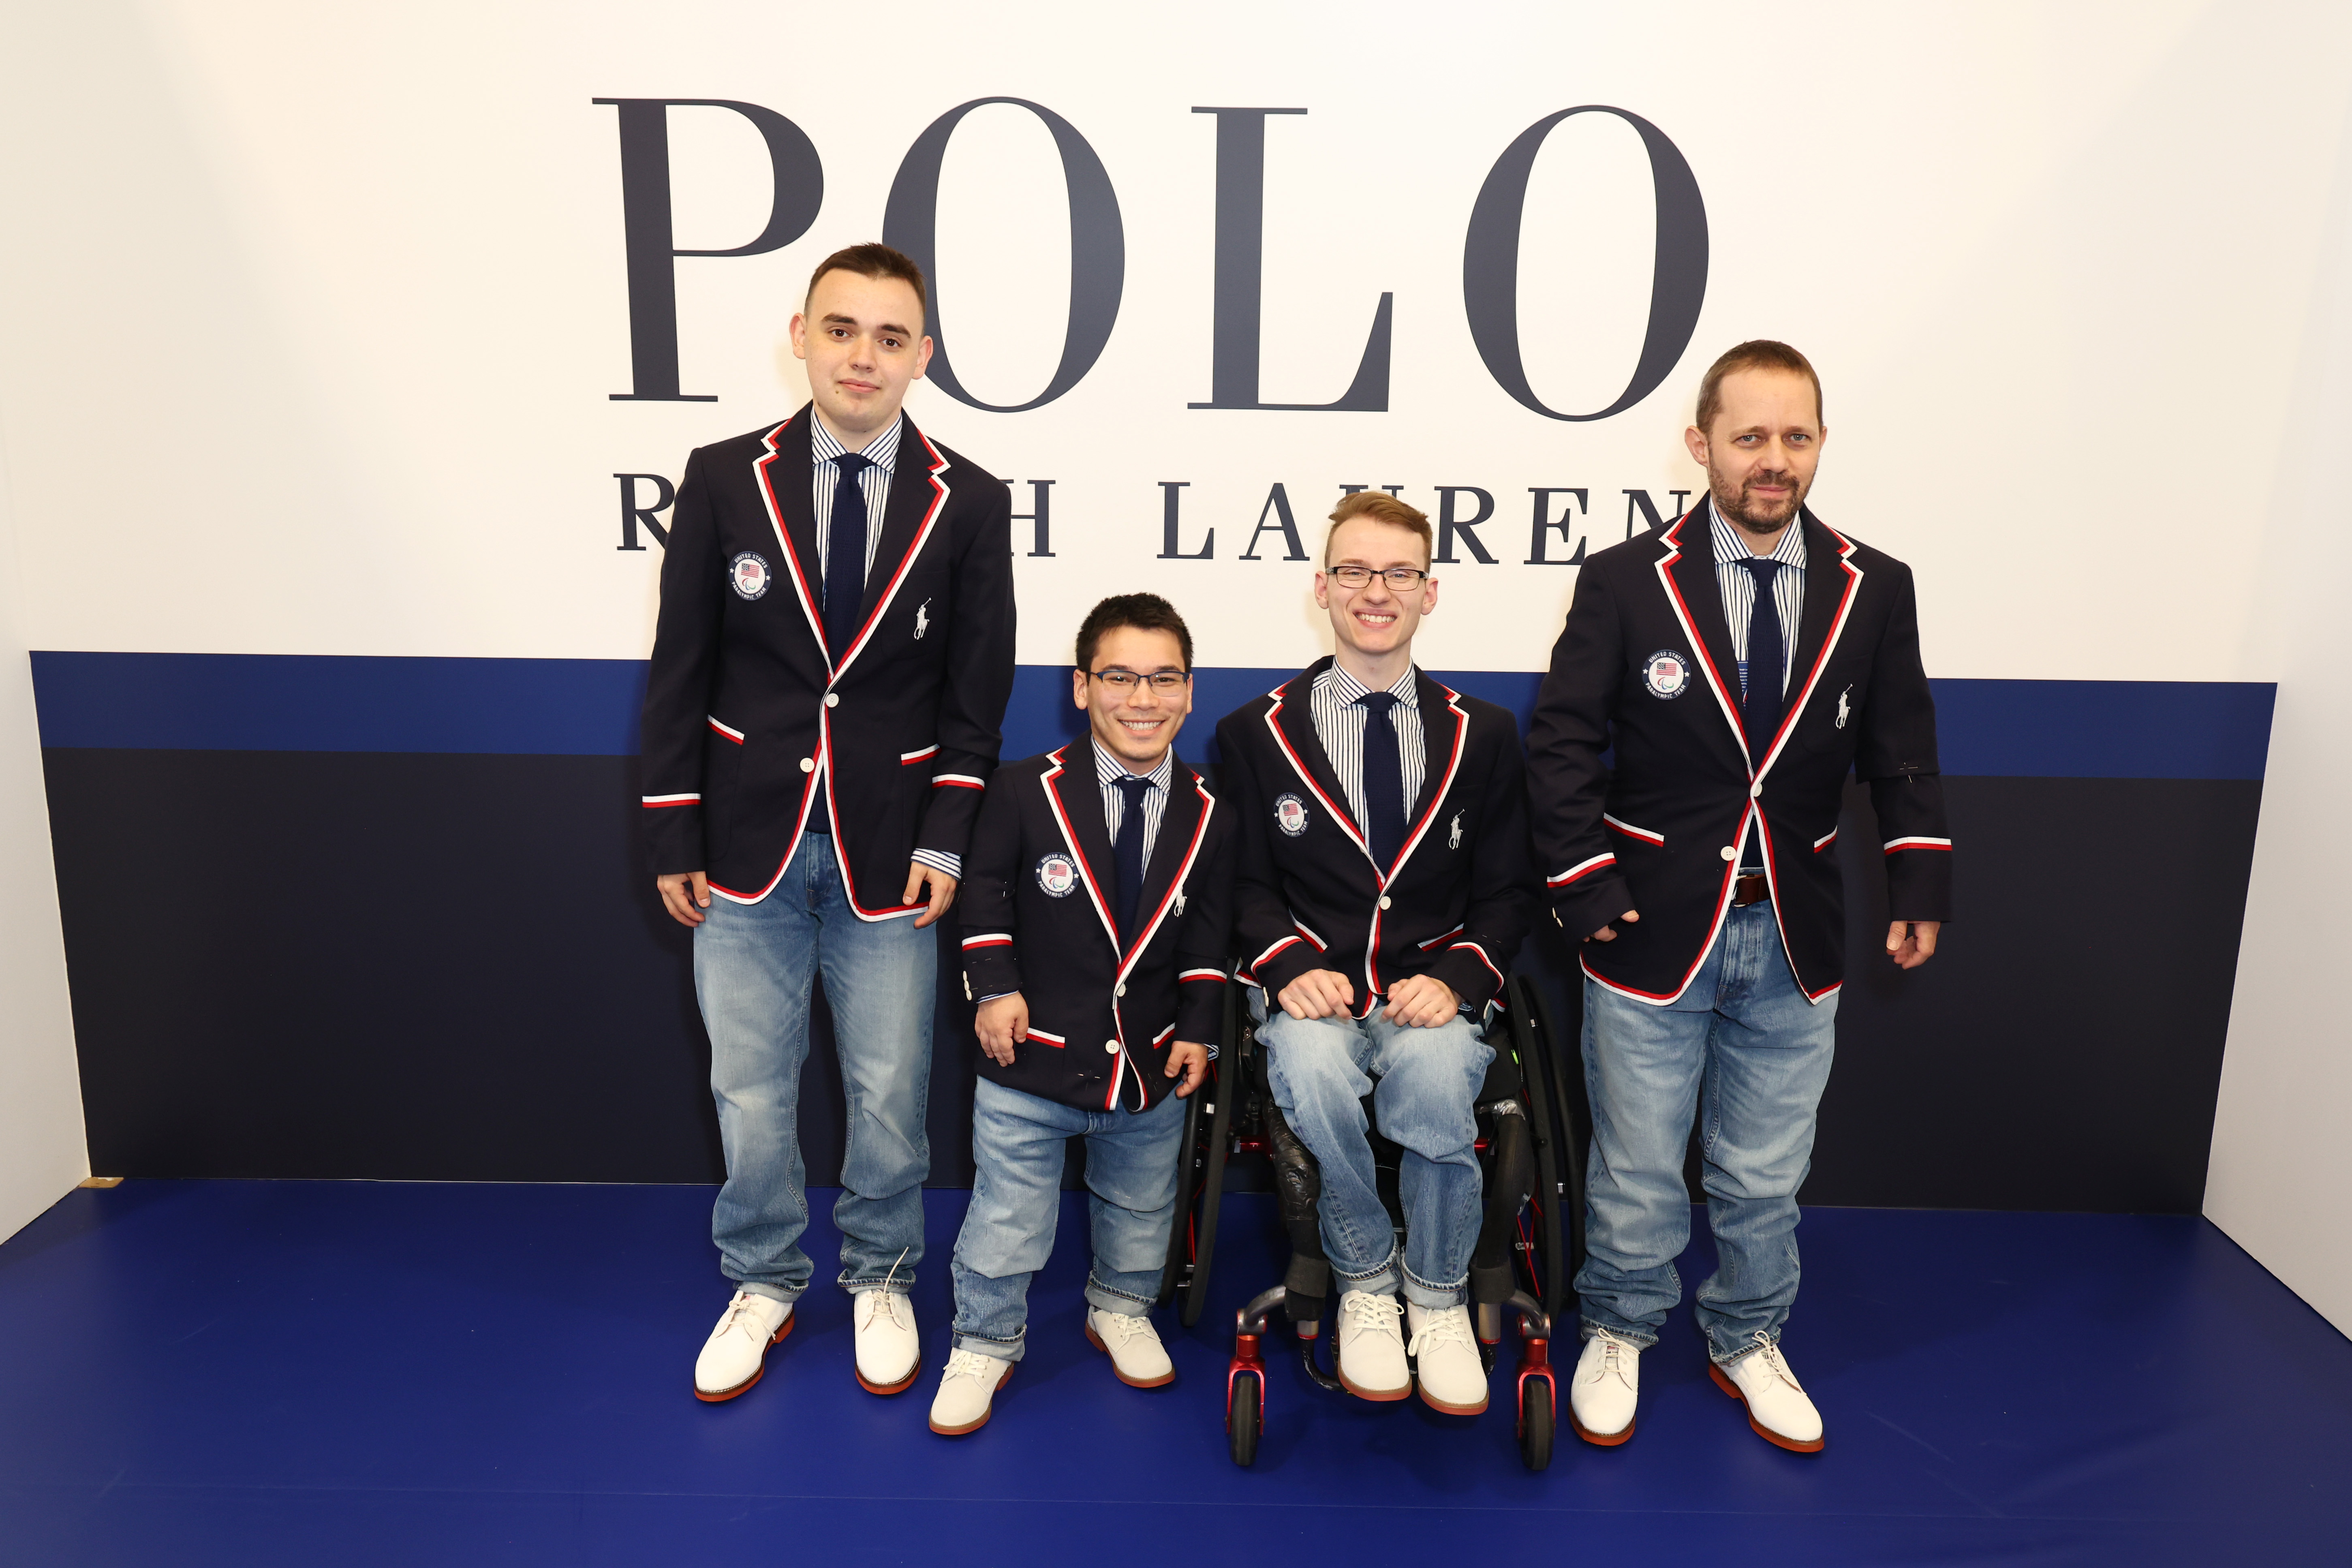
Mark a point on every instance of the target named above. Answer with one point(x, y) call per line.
point(1223, 1088)
point(1535, 1422)
point(1242, 1420)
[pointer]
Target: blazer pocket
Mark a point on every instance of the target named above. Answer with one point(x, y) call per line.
point(722, 780)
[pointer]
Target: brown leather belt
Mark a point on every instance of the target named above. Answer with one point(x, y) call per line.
point(1750, 890)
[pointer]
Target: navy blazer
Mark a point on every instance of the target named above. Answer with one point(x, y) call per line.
point(747, 716)
point(1307, 895)
point(1644, 662)
point(1104, 1005)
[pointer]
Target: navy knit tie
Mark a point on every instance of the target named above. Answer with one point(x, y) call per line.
point(1127, 855)
point(1383, 780)
point(844, 556)
point(1762, 701)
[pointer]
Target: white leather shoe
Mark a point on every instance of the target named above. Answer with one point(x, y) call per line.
point(1372, 1348)
point(966, 1387)
point(888, 1352)
point(1608, 1383)
point(1445, 1359)
point(734, 1355)
point(1778, 1407)
point(1134, 1347)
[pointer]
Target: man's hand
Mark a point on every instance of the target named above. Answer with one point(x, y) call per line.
point(1191, 1061)
point(1911, 943)
point(1003, 1022)
point(1422, 1001)
point(1609, 933)
point(685, 894)
point(1317, 993)
point(942, 892)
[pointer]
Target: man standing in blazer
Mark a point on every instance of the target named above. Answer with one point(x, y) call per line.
point(1098, 910)
point(829, 676)
point(1383, 884)
point(1740, 660)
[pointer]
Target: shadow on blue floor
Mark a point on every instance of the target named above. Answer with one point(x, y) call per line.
point(257, 1373)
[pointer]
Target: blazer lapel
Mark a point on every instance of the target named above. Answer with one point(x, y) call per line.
point(1437, 725)
point(1699, 606)
point(1177, 821)
point(786, 480)
point(1296, 723)
point(902, 514)
point(1829, 588)
point(1078, 796)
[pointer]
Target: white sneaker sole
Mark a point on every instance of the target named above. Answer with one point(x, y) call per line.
point(1376, 1396)
point(757, 1373)
point(971, 1426)
point(886, 1389)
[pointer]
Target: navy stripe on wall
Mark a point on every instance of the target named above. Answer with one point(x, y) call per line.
point(588, 707)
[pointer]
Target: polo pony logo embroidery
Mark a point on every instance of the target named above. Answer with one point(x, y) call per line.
point(1843, 709)
point(1453, 839)
point(922, 619)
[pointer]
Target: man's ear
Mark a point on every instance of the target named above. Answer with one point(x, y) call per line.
point(798, 333)
point(1078, 689)
point(1696, 439)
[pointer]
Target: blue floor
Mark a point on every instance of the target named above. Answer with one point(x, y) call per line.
point(257, 1374)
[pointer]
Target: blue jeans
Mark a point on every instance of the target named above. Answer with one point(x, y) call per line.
point(1752, 1055)
point(1424, 1083)
point(1018, 1141)
point(753, 966)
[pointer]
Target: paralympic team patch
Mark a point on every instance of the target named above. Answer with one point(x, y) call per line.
point(1058, 875)
point(751, 575)
point(1666, 673)
point(1290, 814)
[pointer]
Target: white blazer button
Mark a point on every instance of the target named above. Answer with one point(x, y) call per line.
point(1385, 900)
point(1729, 853)
point(832, 699)
point(1111, 1046)
point(808, 764)
point(1754, 790)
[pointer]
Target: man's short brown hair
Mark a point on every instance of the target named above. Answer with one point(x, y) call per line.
point(1381, 507)
point(1758, 353)
point(874, 259)
point(1144, 612)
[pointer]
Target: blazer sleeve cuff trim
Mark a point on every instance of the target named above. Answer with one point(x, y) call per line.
point(1581, 869)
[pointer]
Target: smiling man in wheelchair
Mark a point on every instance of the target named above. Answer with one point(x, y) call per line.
point(1384, 880)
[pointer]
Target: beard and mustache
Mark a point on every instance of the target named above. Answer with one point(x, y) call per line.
point(1746, 511)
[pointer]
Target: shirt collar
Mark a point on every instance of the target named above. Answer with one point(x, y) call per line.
point(1110, 770)
point(1731, 544)
point(882, 451)
point(1407, 689)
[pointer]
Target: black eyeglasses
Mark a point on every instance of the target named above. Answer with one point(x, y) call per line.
point(1403, 579)
point(1164, 681)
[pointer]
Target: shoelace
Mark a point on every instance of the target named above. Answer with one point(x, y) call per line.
point(1611, 1362)
point(966, 1363)
point(1125, 1327)
point(740, 1315)
point(882, 1301)
point(1371, 1314)
point(1450, 1325)
point(1770, 1353)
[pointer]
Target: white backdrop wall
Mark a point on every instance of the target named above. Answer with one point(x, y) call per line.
point(41, 1150)
point(2040, 254)
point(2286, 1076)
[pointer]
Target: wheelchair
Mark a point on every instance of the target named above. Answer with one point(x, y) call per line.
point(1532, 1131)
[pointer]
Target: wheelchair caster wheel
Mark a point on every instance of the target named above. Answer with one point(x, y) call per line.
point(1242, 1419)
point(1535, 1422)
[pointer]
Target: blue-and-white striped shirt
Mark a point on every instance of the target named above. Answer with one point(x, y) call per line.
point(1739, 585)
point(1339, 725)
point(881, 455)
point(1108, 771)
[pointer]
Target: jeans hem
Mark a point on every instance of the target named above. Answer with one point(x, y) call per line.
point(787, 1294)
point(1743, 1350)
point(1435, 1298)
point(1382, 1279)
point(901, 1283)
point(1106, 1299)
point(1640, 1339)
point(981, 1344)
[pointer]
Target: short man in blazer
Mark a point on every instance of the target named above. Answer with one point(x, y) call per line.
point(1384, 884)
point(1740, 661)
point(829, 675)
point(1096, 920)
